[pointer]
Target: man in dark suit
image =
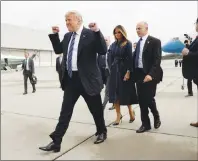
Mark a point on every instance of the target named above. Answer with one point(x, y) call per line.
point(103, 62)
point(81, 75)
point(28, 72)
point(190, 63)
point(58, 66)
point(189, 81)
point(147, 71)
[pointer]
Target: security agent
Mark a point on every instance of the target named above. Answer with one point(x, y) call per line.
point(190, 65)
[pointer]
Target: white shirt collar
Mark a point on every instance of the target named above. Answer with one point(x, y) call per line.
point(145, 37)
point(79, 30)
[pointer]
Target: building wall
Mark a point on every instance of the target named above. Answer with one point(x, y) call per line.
point(17, 39)
point(43, 58)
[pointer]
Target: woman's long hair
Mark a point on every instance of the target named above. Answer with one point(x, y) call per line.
point(124, 34)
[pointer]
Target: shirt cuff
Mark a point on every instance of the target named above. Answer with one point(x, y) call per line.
point(97, 30)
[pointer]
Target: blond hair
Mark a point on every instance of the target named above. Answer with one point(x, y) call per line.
point(76, 14)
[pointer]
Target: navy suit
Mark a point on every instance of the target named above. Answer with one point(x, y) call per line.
point(86, 82)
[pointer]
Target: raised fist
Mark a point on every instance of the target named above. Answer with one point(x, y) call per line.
point(55, 29)
point(93, 27)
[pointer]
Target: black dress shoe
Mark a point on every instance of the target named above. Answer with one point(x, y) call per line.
point(96, 134)
point(34, 91)
point(51, 147)
point(194, 124)
point(157, 123)
point(143, 129)
point(24, 93)
point(189, 94)
point(101, 138)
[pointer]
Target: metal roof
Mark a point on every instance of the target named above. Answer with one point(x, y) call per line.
point(24, 38)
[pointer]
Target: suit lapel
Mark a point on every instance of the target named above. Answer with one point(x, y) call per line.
point(81, 41)
point(146, 44)
point(193, 43)
point(66, 43)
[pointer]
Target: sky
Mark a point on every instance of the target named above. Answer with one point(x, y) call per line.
point(166, 19)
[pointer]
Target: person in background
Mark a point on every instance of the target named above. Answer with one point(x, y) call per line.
point(134, 47)
point(180, 63)
point(122, 89)
point(189, 81)
point(59, 67)
point(107, 74)
point(190, 65)
point(28, 72)
point(176, 63)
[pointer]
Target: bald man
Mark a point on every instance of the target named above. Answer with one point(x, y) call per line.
point(147, 71)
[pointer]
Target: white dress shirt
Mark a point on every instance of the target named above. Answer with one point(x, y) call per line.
point(60, 59)
point(75, 49)
point(27, 64)
point(106, 57)
point(142, 43)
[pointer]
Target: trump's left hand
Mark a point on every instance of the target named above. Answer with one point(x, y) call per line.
point(94, 27)
point(148, 78)
point(185, 52)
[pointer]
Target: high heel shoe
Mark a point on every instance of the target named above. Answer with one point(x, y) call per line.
point(131, 120)
point(117, 123)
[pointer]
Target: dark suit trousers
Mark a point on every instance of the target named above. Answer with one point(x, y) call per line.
point(189, 85)
point(106, 98)
point(196, 81)
point(146, 93)
point(28, 74)
point(71, 94)
point(59, 75)
point(103, 74)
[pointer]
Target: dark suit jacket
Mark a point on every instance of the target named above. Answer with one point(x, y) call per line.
point(101, 61)
point(190, 62)
point(90, 44)
point(151, 58)
point(31, 65)
point(58, 64)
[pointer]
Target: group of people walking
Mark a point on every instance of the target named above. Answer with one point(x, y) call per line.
point(132, 76)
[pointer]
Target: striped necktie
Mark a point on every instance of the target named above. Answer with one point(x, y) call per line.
point(69, 60)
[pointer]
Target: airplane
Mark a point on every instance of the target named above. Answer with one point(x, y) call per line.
point(10, 61)
point(176, 44)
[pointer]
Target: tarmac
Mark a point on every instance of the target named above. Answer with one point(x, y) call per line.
point(27, 121)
